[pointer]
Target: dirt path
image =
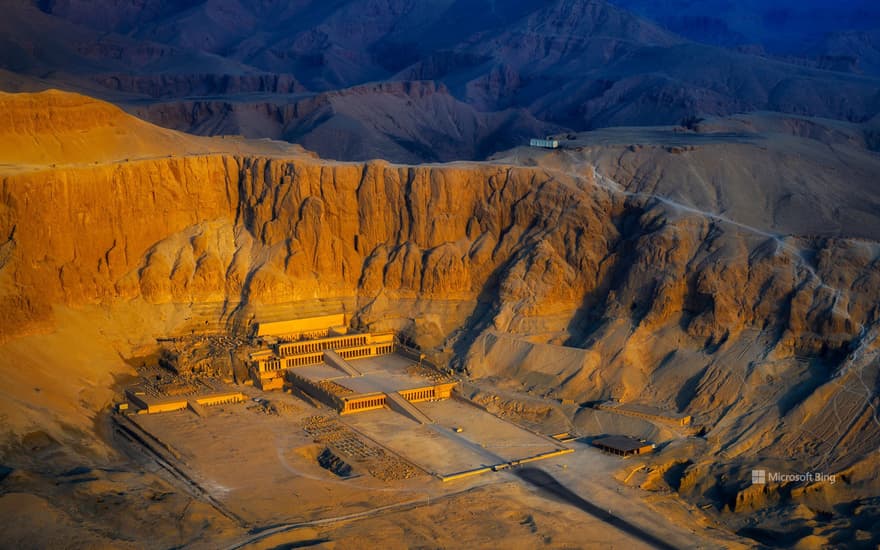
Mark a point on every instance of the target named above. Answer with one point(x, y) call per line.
point(396, 507)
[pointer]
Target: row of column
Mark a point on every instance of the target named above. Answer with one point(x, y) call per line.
point(378, 402)
point(269, 366)
point(301, 361)
point(421, 394)
point(296, 349)
point(230, 401)
point(357, 352)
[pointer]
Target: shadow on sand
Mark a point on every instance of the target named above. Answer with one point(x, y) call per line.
point(548, 484)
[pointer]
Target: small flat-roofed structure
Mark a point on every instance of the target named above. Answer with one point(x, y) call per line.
point(623, 445)
point(544, 143)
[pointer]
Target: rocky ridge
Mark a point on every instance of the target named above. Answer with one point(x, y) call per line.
point(221, 66)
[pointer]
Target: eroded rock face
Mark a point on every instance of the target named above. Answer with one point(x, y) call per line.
point(526, 240)
point(216, 228)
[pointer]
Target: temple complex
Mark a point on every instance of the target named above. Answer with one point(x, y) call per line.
point(350, 372)
point(415, 422)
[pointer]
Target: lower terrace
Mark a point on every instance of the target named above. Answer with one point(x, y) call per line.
point(368, 383)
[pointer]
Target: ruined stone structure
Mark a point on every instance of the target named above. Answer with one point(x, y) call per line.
point(148, 402)
point(265, 371)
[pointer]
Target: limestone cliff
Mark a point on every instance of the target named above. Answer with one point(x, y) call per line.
point(528, 241)
point(215, 228)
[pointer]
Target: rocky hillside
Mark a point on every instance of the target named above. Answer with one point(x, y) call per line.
point(785, 27)
point(415, 121)
point(270, 229)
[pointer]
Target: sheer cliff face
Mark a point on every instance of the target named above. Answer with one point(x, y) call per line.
point(551, 250)
point(536, 248)
point(215, 228)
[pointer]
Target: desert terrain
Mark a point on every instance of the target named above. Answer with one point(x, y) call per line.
point(667, 269)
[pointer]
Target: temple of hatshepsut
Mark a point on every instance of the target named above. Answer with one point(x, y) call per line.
point(374, 395)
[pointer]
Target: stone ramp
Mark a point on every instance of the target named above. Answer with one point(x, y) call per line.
point(196, 408)
point(396, 402)
point(334, 359)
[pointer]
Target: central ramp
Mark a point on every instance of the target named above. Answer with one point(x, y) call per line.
point(334, 359)
point(395, 401)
